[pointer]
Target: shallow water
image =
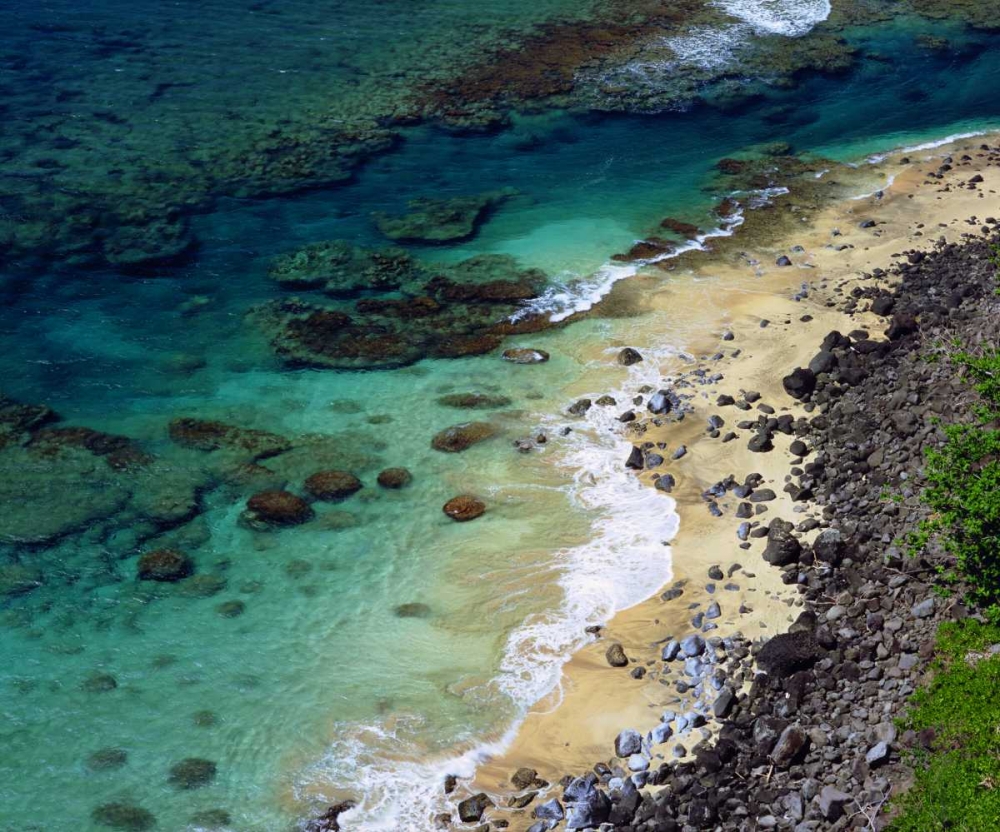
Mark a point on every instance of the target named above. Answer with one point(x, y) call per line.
point(319, 689)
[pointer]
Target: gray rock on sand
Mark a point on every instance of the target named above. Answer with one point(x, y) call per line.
point(472, 808)
point(627, 743)
point(550, 810)
point(693, 646)
point(525, 355)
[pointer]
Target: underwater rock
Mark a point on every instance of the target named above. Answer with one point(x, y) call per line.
point(445, 312)
point(18, 420)
point(208, 435)
point(192, 773)
point(277, 508)
point(201, 586)
point(458, 438)
point(17, 579)
point(231, 609)
point(165, 565)
point(413, 610)
point(441, 220)
point(333, 486)
point(464, 508)
point(524, 355)
point(125, 816)
point(474, 401)
point(119, 452)
point(680, 228)
point(107, 759)
point(645, 250)
point(394, 478)
point(340, 269)
point(212, 819)
point(99, 683)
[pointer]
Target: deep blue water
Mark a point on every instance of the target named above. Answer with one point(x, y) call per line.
point(304, 666)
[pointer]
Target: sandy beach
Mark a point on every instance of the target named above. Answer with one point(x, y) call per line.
point(735, 289)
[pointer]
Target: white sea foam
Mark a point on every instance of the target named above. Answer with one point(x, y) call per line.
point(626, 560)
point(791, 18)
point(875, 158)
point(571, 296)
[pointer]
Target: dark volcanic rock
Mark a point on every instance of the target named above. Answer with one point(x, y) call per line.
point(192, 773)
point(782, 547)
point(628, 356)
point(800, 383)
point(787, 653)
point(472, 808)
point(125, 816)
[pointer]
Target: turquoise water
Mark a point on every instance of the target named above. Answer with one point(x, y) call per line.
point(318, 689)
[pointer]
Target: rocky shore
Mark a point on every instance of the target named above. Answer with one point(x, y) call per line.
point(797, 731)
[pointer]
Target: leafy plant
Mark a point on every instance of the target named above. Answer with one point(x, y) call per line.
point(957, 779)
point(963, 489)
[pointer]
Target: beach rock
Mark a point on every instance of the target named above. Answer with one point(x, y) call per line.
point(192, 773)
point(636, 461)
point(579, 407)
point(464, 508)
point(460, 437)
point(800, 383)
point(328, 821)
point(590, 807)
point(783, 260)
point(627, 743)
point(665, 483)
point(902, 324)
point(550, 810)
point(332, 486)
point(394, 478)
point(660, 402)
point(828, 546)
point(125, 816)
point(523, 355)
point(166, 565)
point(883, 305)
point(786, 653)
point(524, 778)
point(782, 547)
point(723, 703)
point(207, 435)
point(693, 646)
point(615, 655)
point(680, 228)
point(760, 443)
point(791, 746)
point(832, 802)
point(628, 356)
point(472, 808)
point(278, 508)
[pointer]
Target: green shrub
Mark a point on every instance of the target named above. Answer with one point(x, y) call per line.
point(957, 784)
point(963, 490)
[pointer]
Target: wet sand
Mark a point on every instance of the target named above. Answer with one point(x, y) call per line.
point(734, 290)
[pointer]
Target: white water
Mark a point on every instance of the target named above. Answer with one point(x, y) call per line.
point(791, 18)
point(625, 561)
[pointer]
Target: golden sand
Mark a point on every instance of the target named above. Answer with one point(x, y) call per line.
point(733, 290)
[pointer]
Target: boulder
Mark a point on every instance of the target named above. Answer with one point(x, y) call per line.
point(787, 653)
point(460, 437)
point(800, 383)
point(166, 565)
point(615, 655)
point(472, 808)
point(278, 508)
point(627, 743)
point(829, 546)
point(332, 486)
point(782, 546)
point(524, 778)
point(628, 356)
point(464, 508)
point(791, 746)
point(832, 802)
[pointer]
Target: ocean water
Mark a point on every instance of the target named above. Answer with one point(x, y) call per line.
point(312, 688)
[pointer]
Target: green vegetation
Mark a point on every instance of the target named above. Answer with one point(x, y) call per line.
point(957, 783)
point(963, 490)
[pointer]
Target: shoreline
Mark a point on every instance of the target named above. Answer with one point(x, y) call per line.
point(594, 702)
